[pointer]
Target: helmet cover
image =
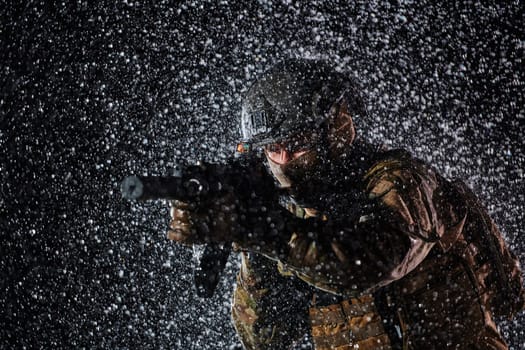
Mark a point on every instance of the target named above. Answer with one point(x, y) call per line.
point(293, 96)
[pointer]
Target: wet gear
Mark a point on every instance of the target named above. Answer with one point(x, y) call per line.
point(351, 324)
point(292, 97)
point(413, 260)
point(416, 243)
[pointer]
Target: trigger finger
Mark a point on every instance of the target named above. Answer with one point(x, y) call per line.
point(178, 204)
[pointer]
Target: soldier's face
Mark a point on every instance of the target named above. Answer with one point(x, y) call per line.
point(285, 151)
point(292, 161)
point(279, 154)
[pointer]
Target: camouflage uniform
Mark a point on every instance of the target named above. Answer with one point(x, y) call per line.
point(416, 262)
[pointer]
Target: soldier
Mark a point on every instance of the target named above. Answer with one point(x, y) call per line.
point(390, 254)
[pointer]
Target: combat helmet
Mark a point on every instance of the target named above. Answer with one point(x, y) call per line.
point(293, 96)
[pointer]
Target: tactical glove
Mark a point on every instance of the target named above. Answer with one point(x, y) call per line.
point(215, 220)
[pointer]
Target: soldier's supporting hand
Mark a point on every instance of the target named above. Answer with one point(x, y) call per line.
point(213, 221)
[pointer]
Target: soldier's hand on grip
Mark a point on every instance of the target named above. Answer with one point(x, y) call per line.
point(214, 221)
point(180, 227)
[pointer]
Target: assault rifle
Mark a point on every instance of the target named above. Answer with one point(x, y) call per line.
point(194, 184)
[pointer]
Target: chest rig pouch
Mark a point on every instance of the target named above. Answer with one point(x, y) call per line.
point(351, 324)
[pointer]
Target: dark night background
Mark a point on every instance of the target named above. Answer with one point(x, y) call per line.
point(91, 92)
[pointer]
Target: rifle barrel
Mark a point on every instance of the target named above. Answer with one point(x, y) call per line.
point(159, 187)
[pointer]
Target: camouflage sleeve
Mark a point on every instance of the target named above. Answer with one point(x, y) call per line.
point(410, 192)
point(342, 256)
point(269, 311)
point(399, 224)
